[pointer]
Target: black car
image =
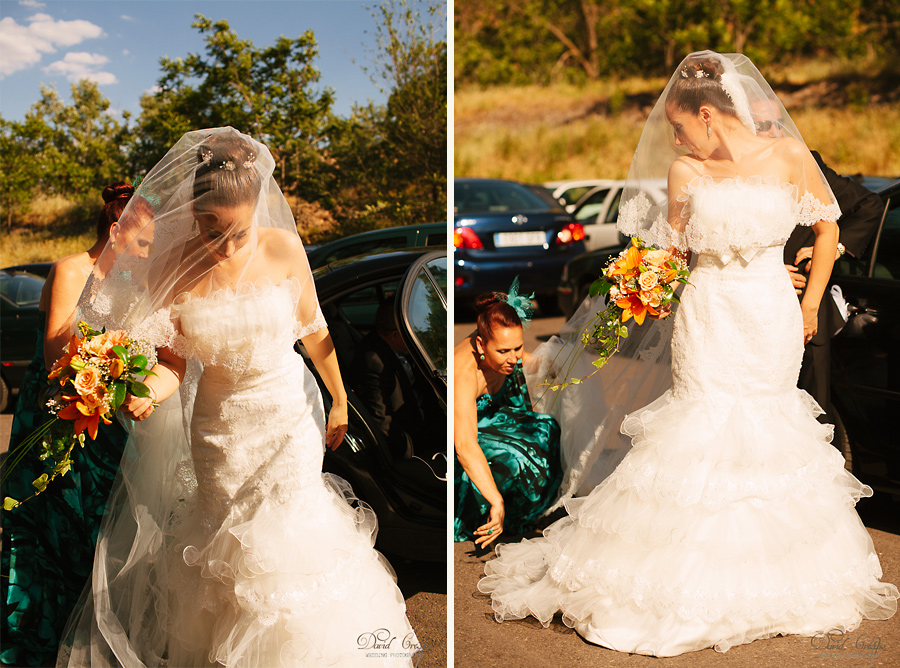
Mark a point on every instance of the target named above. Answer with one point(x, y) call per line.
point(408, 495)
point(20, 295)
point(503, 229)
point(577, 276)
point(865, 354)
point(404, 236)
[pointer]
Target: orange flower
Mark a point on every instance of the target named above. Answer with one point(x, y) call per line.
point(632, 306)
point(116, 367)
point(627, 265)
point(87, 380)
point(71, 350)
point(102, 344)
point(86, 415)
point(657, 258)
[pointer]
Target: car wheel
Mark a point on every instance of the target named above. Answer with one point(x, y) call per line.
point(842, 442)
point(4, 395)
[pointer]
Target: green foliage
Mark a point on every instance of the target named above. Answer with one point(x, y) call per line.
point(383, 166)
point(548, 41)
point(393, 159)
point(60, 149)
point(268, 92)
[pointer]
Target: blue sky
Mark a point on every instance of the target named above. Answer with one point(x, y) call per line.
point(119, 44)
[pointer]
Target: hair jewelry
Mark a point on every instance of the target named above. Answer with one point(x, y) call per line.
point(521, 303)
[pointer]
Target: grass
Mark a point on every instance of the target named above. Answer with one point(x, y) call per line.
point(537, 134)
point(48, 229)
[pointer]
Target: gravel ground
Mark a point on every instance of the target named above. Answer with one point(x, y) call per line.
point(480, 641)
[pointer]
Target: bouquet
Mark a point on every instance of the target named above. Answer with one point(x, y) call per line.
point(640, 282)
point(94, 375)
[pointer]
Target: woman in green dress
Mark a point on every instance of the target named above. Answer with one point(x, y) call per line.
point(508, 464)
point(48, 542)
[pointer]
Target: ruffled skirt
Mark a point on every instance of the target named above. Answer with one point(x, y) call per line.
point(731, 518)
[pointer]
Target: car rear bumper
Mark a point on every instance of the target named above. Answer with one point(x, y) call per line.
point(537, 275)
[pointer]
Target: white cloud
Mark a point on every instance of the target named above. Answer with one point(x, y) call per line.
point(24, 46)
point(125, 17)
point(81, 65)
point(33, 4)
point(126, 52)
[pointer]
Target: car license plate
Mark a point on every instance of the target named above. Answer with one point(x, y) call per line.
point(509, 239)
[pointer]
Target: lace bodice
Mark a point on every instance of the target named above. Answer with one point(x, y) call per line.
point(733, 216)
point(239, 330)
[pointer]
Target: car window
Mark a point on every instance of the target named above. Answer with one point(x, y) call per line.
point(496, 198)
point(351, 316)
point(887, 257)
point(369, 246)
point(21, 290)
point(358, 307)
point(592, 205)
point(613, 212)
point(572, 195)
point(439, 239)
point(427, 312)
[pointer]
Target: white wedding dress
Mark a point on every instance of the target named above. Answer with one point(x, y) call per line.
point(732, 517)
point(237, 550)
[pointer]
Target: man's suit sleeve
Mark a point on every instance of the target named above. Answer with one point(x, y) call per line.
point(861, 209)
point(370, 387)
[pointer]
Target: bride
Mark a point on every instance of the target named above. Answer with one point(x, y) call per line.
point(224, 544)
point(731, 517)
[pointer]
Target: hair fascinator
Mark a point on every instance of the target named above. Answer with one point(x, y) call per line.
point(521, 303)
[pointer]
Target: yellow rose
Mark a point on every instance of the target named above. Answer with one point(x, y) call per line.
point(87, 380)
point(648, 280)
point(116, 367)
point(657, 257)
point(94, 401)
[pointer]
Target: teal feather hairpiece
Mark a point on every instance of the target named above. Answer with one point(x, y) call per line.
point(521, 303)
point(152, 198)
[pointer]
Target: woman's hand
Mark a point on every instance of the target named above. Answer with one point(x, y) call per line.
point(337, 424)
point(489, 532)
point(810, 322)
point(137, 408)
point(798, 280)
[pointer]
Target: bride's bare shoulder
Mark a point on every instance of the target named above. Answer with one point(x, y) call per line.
point(279, 244)
point(682, 170)
point(789, 148)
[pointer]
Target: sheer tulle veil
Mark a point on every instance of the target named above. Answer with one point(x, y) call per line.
point(159, 257)
point(591, 415)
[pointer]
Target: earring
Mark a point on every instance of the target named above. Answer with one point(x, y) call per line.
point(481, 357)
point(708, 130)
point(112, 244)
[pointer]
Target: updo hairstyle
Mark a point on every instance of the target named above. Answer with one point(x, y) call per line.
point(115, 197)
point(700, 83)
point(226, 173)
point(493, 312)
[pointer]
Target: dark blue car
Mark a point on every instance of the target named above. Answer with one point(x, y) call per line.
point(503, 229)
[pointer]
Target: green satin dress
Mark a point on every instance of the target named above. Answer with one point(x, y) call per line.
point(522, 449)
point(48, 542)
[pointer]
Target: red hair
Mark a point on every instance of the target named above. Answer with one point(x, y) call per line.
point(493, 312)
point(115, 197)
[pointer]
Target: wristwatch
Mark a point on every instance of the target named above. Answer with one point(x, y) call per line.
point(841, 249)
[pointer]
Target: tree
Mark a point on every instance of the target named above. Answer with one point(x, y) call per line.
point(267, 92)
point(401, 150)
point(60, 149)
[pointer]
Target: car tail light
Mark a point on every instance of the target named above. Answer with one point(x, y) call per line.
point(570, 234)
point(465, 237)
